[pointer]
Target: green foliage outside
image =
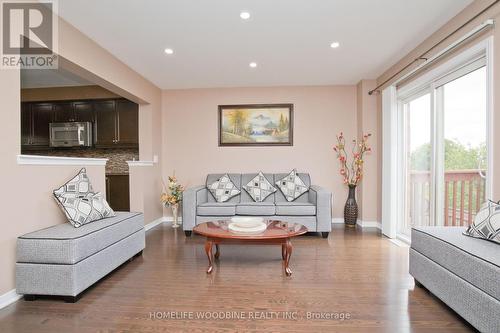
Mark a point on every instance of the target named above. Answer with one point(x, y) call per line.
point(457, 156)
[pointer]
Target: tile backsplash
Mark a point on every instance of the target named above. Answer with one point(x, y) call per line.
point(116, 157)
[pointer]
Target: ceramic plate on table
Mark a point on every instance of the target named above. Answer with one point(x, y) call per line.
point(247, 222)
point(253, 230)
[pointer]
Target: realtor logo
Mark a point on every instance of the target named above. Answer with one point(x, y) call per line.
point(29, 34)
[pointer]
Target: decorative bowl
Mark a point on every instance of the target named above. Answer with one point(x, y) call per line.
point(247, 222)
point(254, 230)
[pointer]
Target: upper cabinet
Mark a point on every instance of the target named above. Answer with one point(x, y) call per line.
point(82, 111)
point(63, 112)
point(105, 123)
point(40, 115)
point(127, 120)
point(116, 122)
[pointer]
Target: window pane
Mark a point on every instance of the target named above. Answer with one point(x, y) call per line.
point(464, 102)
point(418, 163)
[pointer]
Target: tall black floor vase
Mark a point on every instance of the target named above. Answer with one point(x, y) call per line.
point(351, 208)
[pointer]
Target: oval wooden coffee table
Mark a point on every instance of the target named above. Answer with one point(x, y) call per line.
point(277, 232)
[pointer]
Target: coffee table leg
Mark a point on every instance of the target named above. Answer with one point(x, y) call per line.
point(283, 251)
point(288, 254)
point(208, 250)
point(217, 252)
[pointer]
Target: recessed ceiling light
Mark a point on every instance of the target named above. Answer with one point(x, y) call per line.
point(253, 64)
point(245, 15)
point(169, 51)
point(334, 45)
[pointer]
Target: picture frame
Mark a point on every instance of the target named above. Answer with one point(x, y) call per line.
point(255, 125)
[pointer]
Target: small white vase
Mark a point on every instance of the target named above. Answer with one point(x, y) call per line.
point(175, 215)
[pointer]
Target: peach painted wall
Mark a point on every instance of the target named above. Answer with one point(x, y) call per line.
point(190, 142)
point(369, 191)
point(26, 201)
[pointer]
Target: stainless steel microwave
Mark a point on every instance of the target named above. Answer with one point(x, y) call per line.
point(74, 134)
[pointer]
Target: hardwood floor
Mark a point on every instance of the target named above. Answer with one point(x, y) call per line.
point(352, 272)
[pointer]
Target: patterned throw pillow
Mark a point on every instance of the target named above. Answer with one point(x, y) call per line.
point(79, 185)
point(486, 223)
point(259, 188)
point(292, 186)
point(79, 203)
point(223, 189)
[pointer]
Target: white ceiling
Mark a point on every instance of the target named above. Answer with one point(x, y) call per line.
point(289, 39)
point(48, 78)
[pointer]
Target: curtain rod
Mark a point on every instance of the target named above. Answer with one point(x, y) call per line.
point(473, 32)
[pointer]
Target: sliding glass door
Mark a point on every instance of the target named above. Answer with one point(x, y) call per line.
point(443, 138)
point(464, 133)
point(417, 162)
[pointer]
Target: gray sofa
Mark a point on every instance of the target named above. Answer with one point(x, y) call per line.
point(312, 209)
point(463, 272)
point(64, 261)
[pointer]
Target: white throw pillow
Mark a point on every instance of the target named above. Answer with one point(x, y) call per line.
point(486, 223)
point(223, 189)
point(292, 186)
point(259, 188)
point(79, 203)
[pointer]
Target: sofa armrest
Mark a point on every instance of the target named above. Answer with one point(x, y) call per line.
point(323, 199)
point(191, 198)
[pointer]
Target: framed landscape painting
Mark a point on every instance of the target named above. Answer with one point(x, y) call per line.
point(256, 125)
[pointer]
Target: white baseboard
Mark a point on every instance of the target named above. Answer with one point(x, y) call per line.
point(361, 223)
point(335, 220)
point(369, 224)
point(8, 298)
point(164, 219)
point(153, 224)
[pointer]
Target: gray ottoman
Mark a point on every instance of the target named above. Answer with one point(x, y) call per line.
point(463, 272)
point(64, 261)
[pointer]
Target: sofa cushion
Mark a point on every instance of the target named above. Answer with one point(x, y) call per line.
point(259, 187)
point(255, 208)
point(216, 209)
point(473, 260)
point(486, 223)
point(304, 178)
point(295, 208)
point(235, 179)
point(63, 244)
point(223, 189)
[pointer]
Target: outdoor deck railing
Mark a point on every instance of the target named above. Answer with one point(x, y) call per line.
point(464, 192)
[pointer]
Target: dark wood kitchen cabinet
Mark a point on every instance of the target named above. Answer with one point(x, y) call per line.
point(35, 119)
point(105, 124)
point(25, 124)
point(116, 124)
point(115, 121)
point(73, 111)
point(127, 123)
point(118, 192)
point(63, 112)
point(84, 111)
